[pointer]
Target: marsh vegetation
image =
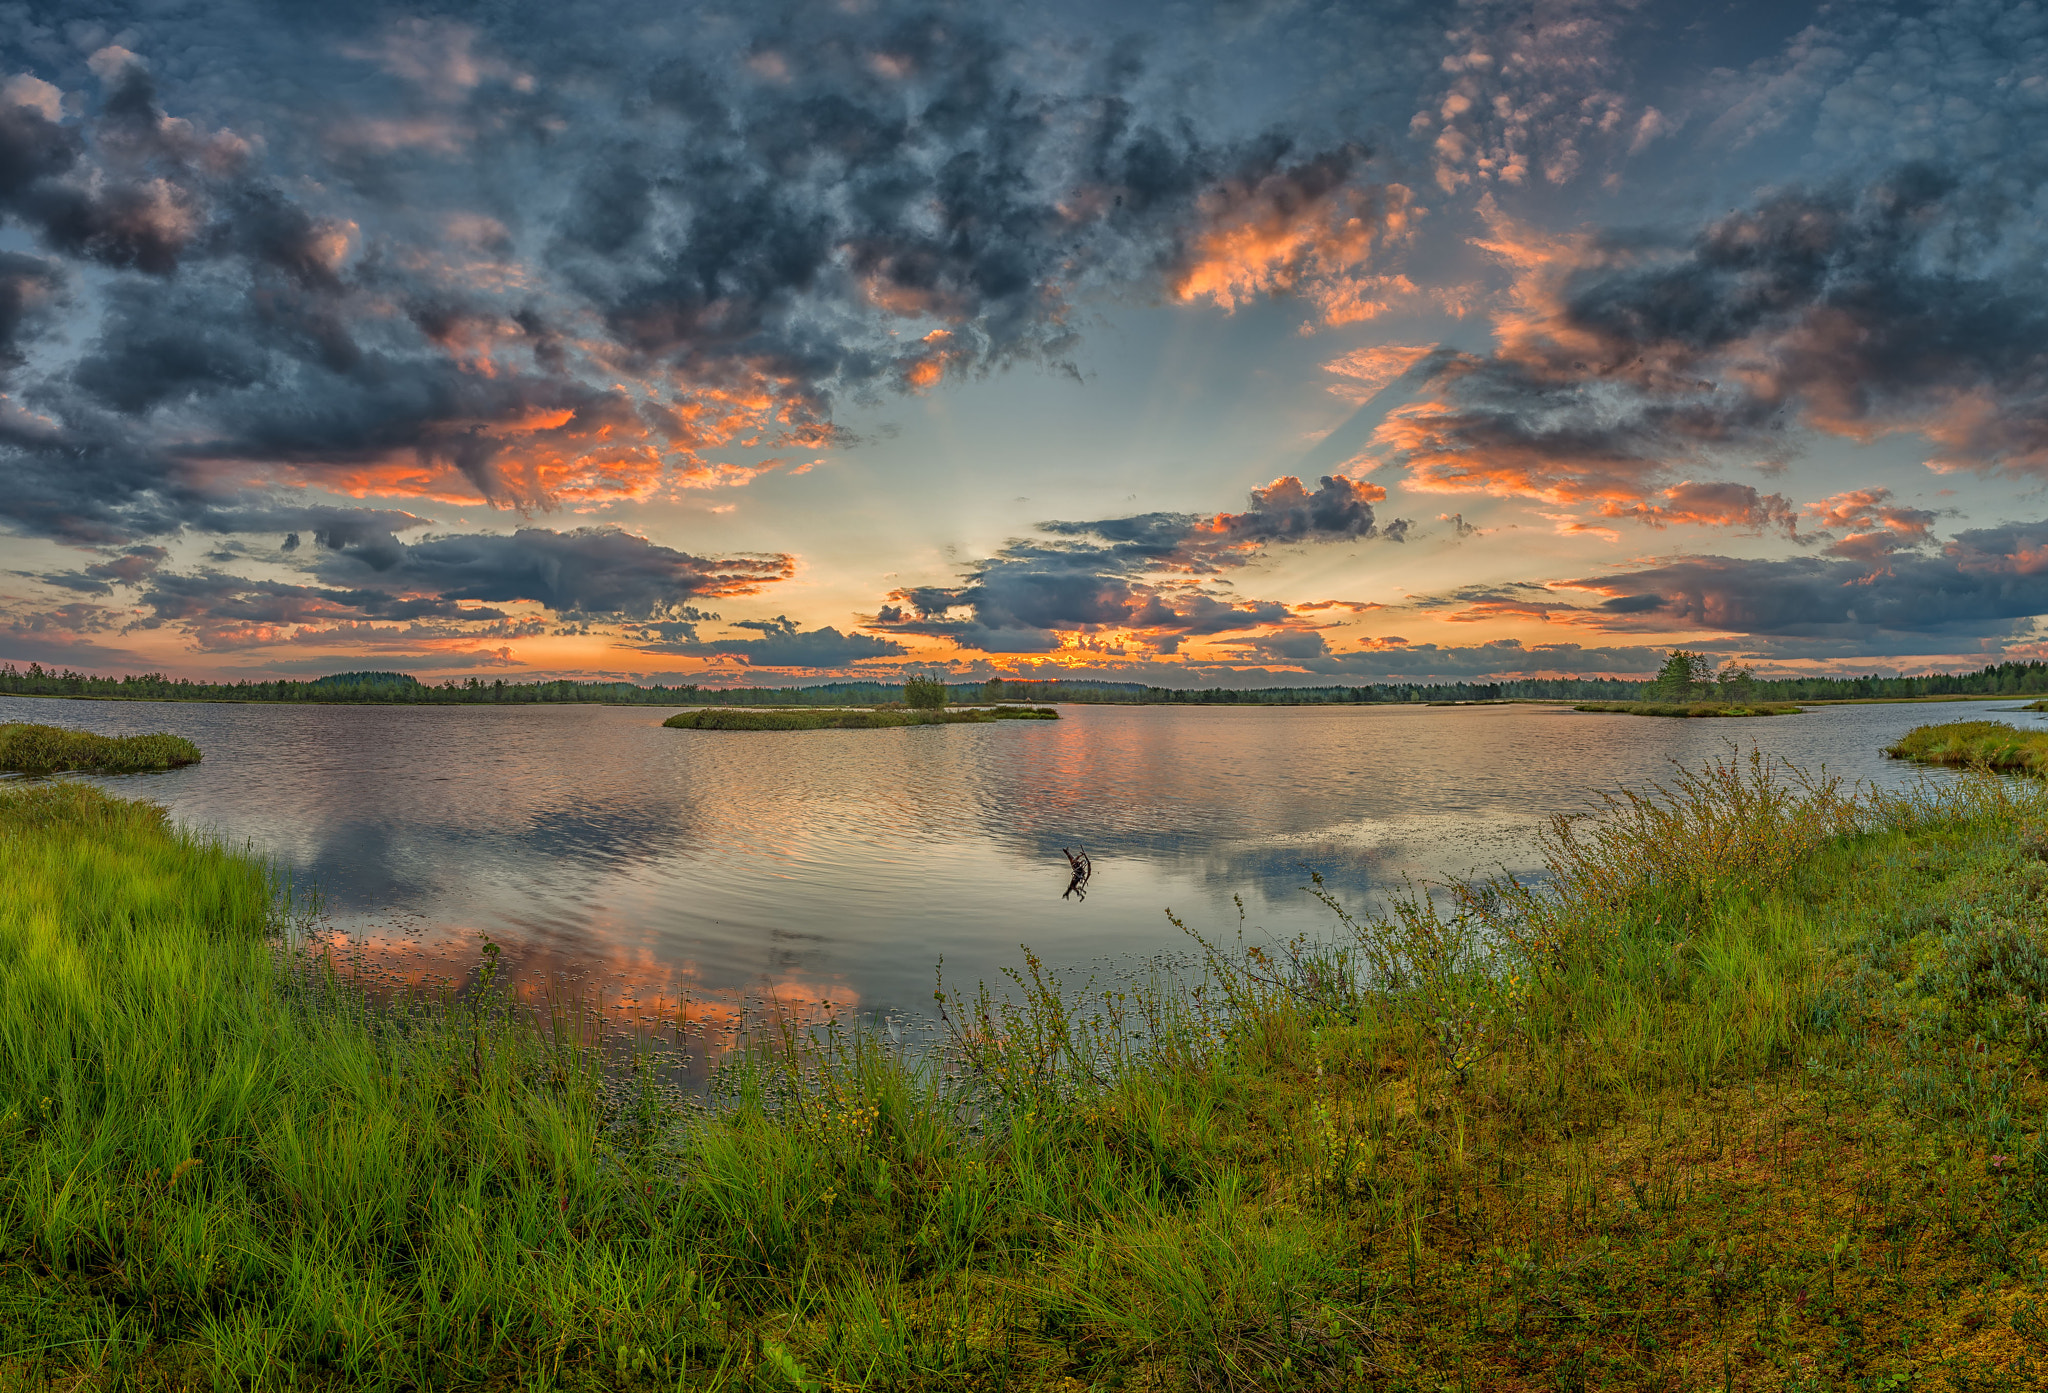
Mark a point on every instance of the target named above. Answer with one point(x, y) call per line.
point(1989, 745)
point(828, 718)
point(1746, 1094)
point(40, 749)
point(1692, 708)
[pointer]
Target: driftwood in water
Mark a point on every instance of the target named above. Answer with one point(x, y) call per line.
point(1083, 869)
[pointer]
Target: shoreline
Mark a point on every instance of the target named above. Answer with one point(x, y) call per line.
point(1417, 704)
point(1608, 1131)
point(738, 718)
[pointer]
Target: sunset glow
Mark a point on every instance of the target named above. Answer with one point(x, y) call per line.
point(773, 347)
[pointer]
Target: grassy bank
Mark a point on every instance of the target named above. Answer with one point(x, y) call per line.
point(1990, 745)
point(821, 718)
point(1750, 1098)
point(34, 749)
point(1691, 708)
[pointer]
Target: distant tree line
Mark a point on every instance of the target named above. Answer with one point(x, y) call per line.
point(1685, 675)
point(1689, 676)
point(356, 687)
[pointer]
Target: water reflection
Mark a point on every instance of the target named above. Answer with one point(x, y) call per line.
point(661, 866)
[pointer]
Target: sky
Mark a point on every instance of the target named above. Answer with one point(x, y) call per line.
point(1232, 344)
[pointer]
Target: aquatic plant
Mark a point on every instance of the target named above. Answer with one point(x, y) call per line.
point(38, 749)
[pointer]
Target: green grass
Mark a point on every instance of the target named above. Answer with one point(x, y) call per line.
point(1992, 745)
point(1692, 708)
point(821, 718)
point(34, 749)
point(1749, 1096)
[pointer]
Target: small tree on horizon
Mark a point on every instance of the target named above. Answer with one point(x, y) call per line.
point(1685, 676)
point(924, 692)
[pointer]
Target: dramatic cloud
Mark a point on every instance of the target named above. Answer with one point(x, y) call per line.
point(449, 584)
point(1121, 575)
point(1876, 526)
point(1308, 228)
point(1398, 660)
point(28, 286)
point(702, 250)
point(783, 645)
point(220, 611)
point(1530, 94)
point(1854, 312)
point(1984, 582)
point(491, 331)
point(598, 571)
point(1715, 504)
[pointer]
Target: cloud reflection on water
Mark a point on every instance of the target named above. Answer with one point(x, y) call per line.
point(608, 853)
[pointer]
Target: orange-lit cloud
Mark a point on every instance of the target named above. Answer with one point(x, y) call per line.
point(1362, 372)
point(1713, 503)
point(1306, 229)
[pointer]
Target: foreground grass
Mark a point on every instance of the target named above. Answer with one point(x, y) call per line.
point(1992, 745)
point(1691, 708)
point(820, 718)
point(1751, 1099)
point(36, 749)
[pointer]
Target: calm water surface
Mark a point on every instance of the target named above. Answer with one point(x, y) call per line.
point(841, 865)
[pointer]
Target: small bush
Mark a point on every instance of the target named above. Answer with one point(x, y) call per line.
point(924, 693)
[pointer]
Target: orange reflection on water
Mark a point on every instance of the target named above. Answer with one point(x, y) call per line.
point(626, 990)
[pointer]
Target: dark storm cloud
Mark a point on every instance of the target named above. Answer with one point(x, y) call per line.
point(28, 286)
point(1395, 660)
point(1119, 573)
point(218, 611)
point(1984, 582)
point(1904, 304)
point(783, 645)
point(130, 566)
point(130, 191)
point(597, 571)
point(862, 172)
point(426, 262)
point(450, 583)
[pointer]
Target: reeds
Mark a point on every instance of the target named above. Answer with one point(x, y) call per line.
point(35, 749)
point(1745, 1093)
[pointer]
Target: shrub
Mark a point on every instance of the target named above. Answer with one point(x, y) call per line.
point(924, 693)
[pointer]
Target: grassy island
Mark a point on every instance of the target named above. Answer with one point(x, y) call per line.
point(1992, 745)
point(1748, 1094)
point(825, 718)
point(1692, 708)
point(34, 749)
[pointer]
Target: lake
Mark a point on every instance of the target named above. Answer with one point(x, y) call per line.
point(841, 866)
